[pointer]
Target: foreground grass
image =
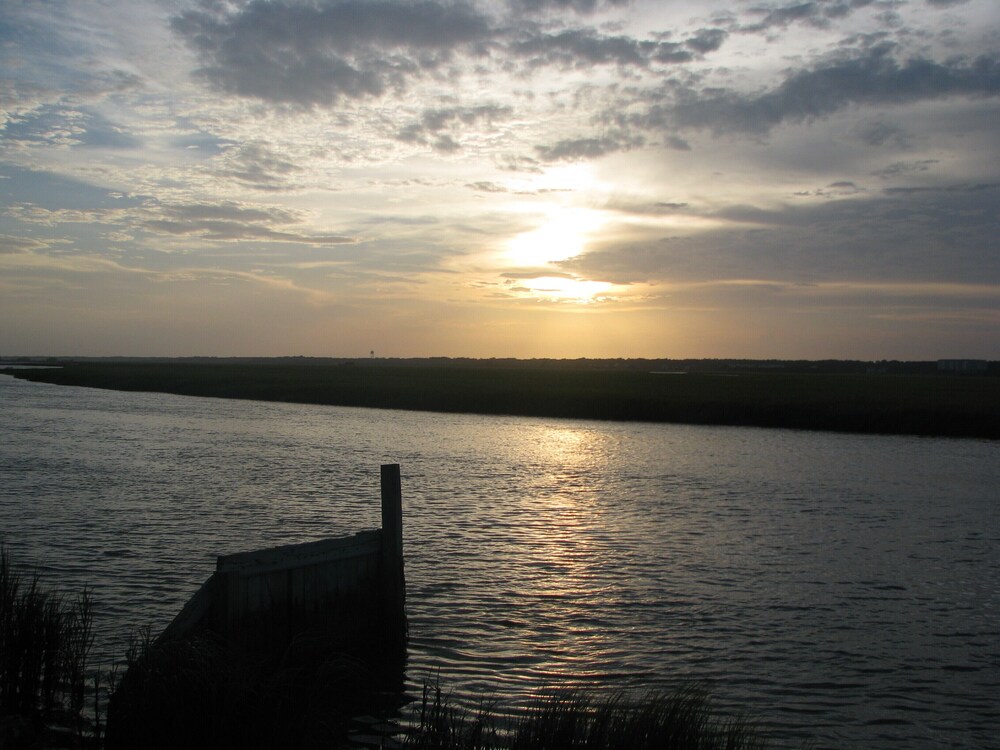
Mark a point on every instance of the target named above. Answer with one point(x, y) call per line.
point(682, 720)
point(45, 643)
point(208, 691)
point(892, 404)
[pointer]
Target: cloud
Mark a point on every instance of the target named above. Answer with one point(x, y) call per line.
point(904, 167)
point(308, 54)
point(257, 165)
point(977, 187)
point(580, 6)
point(645, 208)
point(677, 143)
point(517, 163)
point(433, 121)
point(305, 54)
point(228, 222)
point(817, 13)
point(707, 40)
point(486, 187)
point(522, 275)
point(881, 133)
point(927, 235)
point(838, 189)
point(579, 149)
point(872, 77)
point(581, 48)
point(19, 245)
point(57, 125)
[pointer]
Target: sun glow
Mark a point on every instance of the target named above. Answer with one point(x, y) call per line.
point(562, 289)
point(563, 235)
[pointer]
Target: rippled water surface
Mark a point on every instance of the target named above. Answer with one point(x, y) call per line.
point(842, 588)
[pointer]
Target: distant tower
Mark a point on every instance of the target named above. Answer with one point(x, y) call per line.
point(372, 354)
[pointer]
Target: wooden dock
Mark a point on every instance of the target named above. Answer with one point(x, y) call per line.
point(359, 578)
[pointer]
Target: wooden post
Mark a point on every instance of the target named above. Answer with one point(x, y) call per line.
point(392, 511)
point(393, 576)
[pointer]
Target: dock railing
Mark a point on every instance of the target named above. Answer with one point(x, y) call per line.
point(291, 586)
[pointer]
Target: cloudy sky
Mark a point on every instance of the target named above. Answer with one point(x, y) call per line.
point(527, 178)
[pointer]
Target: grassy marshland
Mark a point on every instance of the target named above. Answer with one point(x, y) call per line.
point(924, 404)
point(682, 720)
point(200, 692)
point(45, 642)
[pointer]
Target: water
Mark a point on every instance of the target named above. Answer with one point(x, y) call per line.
point(842, 588)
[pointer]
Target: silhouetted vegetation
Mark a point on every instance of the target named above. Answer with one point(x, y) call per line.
point(45, 642)
point(852, 401)
point(210, 691)
point(574, 720)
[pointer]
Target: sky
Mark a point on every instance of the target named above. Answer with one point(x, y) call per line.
point(795, 179)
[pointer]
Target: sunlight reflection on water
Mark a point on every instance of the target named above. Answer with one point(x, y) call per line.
point(839, 587)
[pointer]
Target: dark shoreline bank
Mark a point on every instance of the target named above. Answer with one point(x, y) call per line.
point(906, 404)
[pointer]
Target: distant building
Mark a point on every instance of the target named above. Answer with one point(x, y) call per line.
point(963, 366)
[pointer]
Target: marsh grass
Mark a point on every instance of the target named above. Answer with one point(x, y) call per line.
point(45, 643)
point(575, 720)
point(921, 404)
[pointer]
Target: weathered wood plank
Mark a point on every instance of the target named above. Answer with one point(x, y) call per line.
point(289, 582)
point(297, 555)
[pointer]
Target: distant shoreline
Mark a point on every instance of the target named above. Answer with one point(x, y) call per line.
point(789, 397)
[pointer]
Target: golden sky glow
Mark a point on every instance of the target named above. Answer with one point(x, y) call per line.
point(484, 178)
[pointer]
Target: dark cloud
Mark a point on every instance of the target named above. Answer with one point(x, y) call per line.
point(581, 48)
point(785, 15)
point(818, 13)
point(976, 187)
point(427, 130)
point(229, 222)
point(578, 149)
point(300, 53)
point(514, 163)
point(486, 187)
point(905, 167)
point(881, 134)
point(257, 166)
point(671, 52)
point(873, 77)
point(835, 190)
point(635, 208)
point(946, 3)
point(707, 40)
point(677, 143)
point(914, 235)
point(580, 6)
point(306, 54)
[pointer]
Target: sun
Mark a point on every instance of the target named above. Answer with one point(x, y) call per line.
point(564, 289)
point(563, 235)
